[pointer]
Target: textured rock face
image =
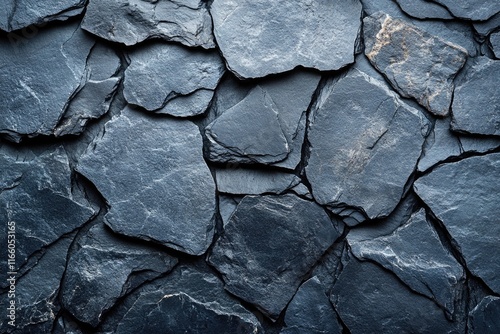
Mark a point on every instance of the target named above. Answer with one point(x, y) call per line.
point(269, 244)
point(416, 64)
point(459, 194)
point(478, 10)
point(258, 38)
point(485, 317)
point(165, 193)
point(133, 21)
point(365, 143)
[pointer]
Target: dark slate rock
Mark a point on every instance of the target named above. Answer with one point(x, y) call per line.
point(133, 21)
point(486, 27)
point(477, 10)
point(36, 292)
point(152, 174)
point(268, 246)
point(424, 9)
point(310, 310)
point(416, 63)
point(157, 75)
point(246, 181)
point(476, 102)
point(479, 144)
point(18, 14)
point(330, 265)
point(203, 295)
point(301, 190)
point(415, 254)
point(40, 76)
point(485, 317)
point(261, 120)
point(38, 200)
point(365, 143)
point(460, 195)
point(258, 38)
point(189, 105)
point(103, 269)
point(227, 205)
point(370, 299)
point(495, 44)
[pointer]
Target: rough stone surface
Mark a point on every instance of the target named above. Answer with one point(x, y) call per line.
point(417, 64)
point(477, 10)
point(459, 194)
point(103, 269)
point(362, 161)
point(424, 9)
point(370, 299)
point(310, 310)
point(268, 246)
point(484, 28)
point(476, 103)
point(495, 44)
point(258, 38)
point(18, 14)
point(133, 21)
point(156, 76)
point(165, 193)
point(485, 317)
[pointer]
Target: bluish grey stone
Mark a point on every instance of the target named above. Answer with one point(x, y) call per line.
point(485, 317)
point(495, 43)
point(364, 145)
point(484, 28)
point(476, 10)
point(424, 9)
point(417, 64)
point(268, 246)
point(460, 195)
point(133, 21)
point(151, 172)
point(258, 38)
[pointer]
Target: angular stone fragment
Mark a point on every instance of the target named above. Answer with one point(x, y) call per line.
point(152, 174)
point(36, 292)
point(190, 299)
point(486, 27)
point(365, 143)
point(246, 181)
point(485, 317)
point(415, 254)
point(310, 310)
point(370, 299)
point(476, 102)
point(265, 121)
point(268, 246)
point(133, 21)
point(495, 44)
point(103, 269)
point(424, 9)
point(227, 205)
point(161, 72)
point(258, 38)
point(477, 10)
point(18, 14)
point(40, 77)
point(462, 196)
point(36, 203)
point(417, 64)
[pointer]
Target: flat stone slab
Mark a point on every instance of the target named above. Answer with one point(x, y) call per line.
point(424, 9)
point(258, 38)
point(460, 195)
point(364, 145)
point(485, 317)
point(151, 172)
point(268, 246)
point(416, 63)
point(133, 21)
point(476, 10)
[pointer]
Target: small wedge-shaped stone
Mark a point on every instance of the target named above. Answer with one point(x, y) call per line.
point(152, 173)
point(477, 10)
point(103, 269)
point(17, 14)
point(160, 72)
point(133, 21)
point(463, 195)
point(365, 143)
point(485, 317)
point(415, 254)
point(370, 299)
point(476, 103)
point(268, 246)
point(258, 38)
point(417, 64)
point(424, 9)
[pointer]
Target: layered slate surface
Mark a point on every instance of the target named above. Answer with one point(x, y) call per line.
point(258, 38)
point(268, 246)
point(133, 21)
point(417, 64)
point(460, 195)
point(364, 144)
point(152, 173)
